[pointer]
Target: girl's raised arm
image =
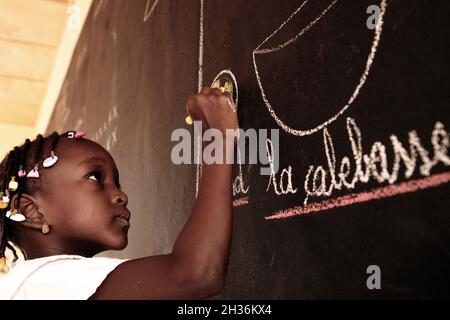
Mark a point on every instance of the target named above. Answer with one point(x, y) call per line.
point(197, 266)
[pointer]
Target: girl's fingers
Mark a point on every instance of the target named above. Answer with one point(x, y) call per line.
point(230, 101)
point(192, 107)
point(205, 90)
point(216, 91)
point(213, 107)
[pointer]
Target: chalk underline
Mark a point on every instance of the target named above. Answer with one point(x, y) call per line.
point(240, 202)
point(375, 194)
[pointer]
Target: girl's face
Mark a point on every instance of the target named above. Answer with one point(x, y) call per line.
point(83, 202)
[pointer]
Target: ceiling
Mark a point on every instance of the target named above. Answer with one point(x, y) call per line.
point(30, 34)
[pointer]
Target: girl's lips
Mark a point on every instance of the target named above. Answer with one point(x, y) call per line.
point(122, 221)
point(123, 216)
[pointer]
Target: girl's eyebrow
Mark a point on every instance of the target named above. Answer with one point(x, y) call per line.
point(92, 160)
point(102, 160)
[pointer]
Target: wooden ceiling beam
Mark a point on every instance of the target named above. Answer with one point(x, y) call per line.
point(33, 21)
point(26, 61)
point(18, 113)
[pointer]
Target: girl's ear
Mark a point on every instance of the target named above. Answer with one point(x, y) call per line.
point(29, 208)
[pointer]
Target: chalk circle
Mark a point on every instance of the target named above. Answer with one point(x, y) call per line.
point(224, 76)
point(362, 80)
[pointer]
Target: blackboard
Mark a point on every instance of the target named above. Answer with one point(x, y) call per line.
point(340, 86)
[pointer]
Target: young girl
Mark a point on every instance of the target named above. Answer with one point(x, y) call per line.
point(62, 204)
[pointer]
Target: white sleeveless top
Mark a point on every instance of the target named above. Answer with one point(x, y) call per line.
point(60, 277)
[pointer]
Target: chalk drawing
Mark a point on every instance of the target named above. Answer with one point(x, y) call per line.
point(81, 57)
point(79, 122)
point(232, 77)
point(321, 181)
point(362, 80)
point(199, 87)
point(238, 184)
point(149, 9)
point(107, 132)
point(278, 187)
point(379, 193)
point(99, 7)
point(201, 48)
point(375, 163)
point(240, 202)
point(227, 72)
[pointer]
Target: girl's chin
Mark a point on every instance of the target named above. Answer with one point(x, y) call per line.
point(119, 242)
point(124, 243)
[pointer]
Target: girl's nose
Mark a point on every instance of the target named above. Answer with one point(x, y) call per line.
point(121, 197)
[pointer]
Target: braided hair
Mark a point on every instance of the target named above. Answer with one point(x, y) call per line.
point(24, 157)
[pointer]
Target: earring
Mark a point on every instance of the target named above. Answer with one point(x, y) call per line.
point(4, 201)
point(45, 228)
point(3, 266)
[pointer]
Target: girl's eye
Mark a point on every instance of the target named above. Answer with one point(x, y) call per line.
point(95, 176)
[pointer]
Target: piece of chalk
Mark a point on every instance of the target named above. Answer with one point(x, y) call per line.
point(228, 87)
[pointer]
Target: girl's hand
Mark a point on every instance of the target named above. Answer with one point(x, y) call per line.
point(214, 108)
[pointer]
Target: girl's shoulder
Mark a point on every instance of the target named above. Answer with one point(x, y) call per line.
point(56, 277)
